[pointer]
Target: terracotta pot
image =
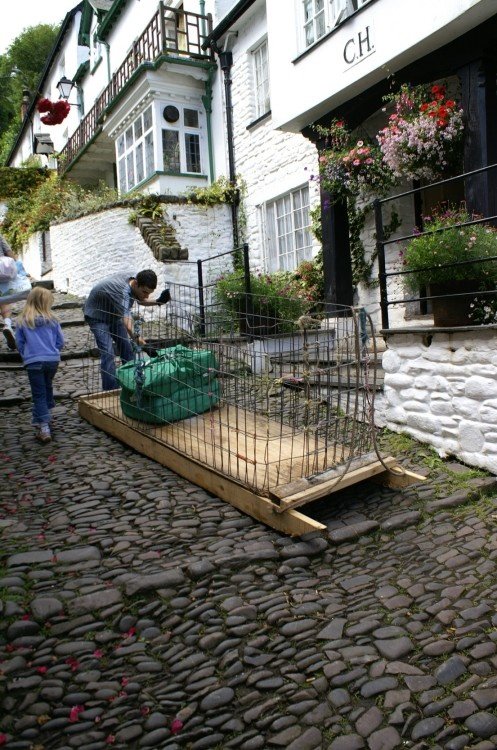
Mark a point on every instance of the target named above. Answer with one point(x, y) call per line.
point(450, 310)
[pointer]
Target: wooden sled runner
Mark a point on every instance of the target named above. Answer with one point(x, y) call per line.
point(258, 457)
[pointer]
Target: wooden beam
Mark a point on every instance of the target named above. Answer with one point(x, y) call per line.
point(338, 482)
point(398, 478)
point(260, 508)
point(330, 475)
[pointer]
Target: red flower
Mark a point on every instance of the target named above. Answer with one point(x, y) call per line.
point(176, 726)
point(56, 111)
point(75, 711)
point(44, 105)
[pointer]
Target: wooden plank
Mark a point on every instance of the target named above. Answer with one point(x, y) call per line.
point(314, 492)
point(260, 508)
point(300, 485)
point(398, 478)
point(250, 448)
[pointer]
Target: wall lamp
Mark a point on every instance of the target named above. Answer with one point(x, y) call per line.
point(65, 86)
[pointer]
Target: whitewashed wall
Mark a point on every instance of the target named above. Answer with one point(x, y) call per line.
point(85, 250)
point(270, 162)
point(441, 389)
point(342, 66)
point(34, 251)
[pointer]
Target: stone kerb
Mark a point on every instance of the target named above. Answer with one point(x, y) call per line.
point(441, 388)
point(96, 245)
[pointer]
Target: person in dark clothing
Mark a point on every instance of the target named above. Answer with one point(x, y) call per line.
point(107, 311)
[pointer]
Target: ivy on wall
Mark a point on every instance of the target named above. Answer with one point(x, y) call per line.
point(15, 181)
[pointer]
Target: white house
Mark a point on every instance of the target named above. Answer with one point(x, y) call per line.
point(172, 95)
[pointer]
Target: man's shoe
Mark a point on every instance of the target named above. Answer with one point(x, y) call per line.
point(10, 338)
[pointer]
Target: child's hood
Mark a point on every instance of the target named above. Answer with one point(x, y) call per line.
point(41, 321)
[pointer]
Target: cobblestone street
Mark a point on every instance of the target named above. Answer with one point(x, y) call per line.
point(139, 611)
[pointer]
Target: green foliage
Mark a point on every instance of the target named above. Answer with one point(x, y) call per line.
point(150, 206)
point(316, 225)
point(220, 191)
point(310, 277)
point(8, 136)
point(276, 300)
point(444, 243)
point(14, 180)
point(351, 166)
point(28, 53)
point(31, 211)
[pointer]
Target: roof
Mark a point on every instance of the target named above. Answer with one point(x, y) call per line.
point(110, 18)
point(50, 59)
point(230, 18)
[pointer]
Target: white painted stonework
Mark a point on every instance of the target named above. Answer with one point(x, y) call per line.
point(37, 257)
point(85, 250)
point(441, 388)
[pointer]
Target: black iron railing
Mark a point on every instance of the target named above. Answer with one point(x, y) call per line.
point(171, 32)
point(397, 272)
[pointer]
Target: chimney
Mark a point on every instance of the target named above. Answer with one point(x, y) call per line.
point(26, 98)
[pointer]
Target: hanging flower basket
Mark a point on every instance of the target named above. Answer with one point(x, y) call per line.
point(351, 166)
point(56, 112)
point(423, 137)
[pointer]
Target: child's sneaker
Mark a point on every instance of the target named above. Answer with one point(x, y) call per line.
point(9, 338)
point(44, 434)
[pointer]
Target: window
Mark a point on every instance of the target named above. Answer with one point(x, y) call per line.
point(181, 142)
point(135, 152)
point(321, 16)
point(288, 230)
point(262, 103)
point(314, 20)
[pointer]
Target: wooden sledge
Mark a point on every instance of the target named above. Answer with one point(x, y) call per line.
point(224, 472)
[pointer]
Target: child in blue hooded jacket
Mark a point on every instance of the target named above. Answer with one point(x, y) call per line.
point(39, 340)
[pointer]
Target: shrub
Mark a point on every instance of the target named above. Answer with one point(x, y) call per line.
point(434, 256)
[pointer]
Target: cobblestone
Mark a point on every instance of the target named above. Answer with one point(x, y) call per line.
point(136, 610)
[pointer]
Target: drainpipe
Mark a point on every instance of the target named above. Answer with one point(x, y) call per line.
point(207, 102)
point(107, 49)
point(201, 4)
point(226, 62)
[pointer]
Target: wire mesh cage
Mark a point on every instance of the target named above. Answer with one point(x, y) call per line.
point(262, 399)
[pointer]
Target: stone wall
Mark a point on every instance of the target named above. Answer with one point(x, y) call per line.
point(87, 249)
point(441, 388)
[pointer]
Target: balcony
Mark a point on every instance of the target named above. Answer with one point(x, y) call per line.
point(171, 33)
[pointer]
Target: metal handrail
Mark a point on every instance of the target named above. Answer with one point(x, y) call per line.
point(382, 242)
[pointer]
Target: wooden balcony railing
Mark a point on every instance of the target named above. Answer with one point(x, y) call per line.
point(170, 32)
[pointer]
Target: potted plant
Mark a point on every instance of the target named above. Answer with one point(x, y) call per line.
point(452, 259)
point(274, 305)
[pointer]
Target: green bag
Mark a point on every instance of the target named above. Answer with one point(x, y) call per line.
point(176, 384)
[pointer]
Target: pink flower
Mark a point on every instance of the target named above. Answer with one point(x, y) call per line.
point(75, 711)
point(176, 726)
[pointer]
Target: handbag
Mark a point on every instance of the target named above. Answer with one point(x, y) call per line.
point(8, 268)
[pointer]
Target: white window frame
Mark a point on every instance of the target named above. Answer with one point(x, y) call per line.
point(324, 18)
point(129, 146)
point(313, 20)
point(260, 75)
point(287, 224)
point(183, 132)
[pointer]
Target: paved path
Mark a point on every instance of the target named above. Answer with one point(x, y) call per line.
point(138, 611)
